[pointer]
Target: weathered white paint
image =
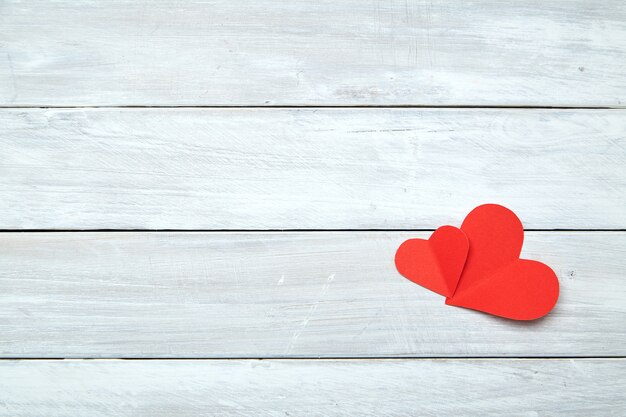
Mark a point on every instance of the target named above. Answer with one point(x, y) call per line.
point(572, 388)
point(294, 295)
point(308, 169)
point(302, 52)
point(289, 294)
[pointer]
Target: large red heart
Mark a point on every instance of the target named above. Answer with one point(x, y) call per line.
point(435, 263)
point(494, 279)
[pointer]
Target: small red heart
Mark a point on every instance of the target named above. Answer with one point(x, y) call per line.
point(494, 279)
point(436, 263)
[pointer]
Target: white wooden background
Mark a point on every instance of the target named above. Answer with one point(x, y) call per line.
point(200, 203)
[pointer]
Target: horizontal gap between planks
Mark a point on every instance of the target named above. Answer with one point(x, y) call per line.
point(265, 230)
point(316, 106)
point(325, 358)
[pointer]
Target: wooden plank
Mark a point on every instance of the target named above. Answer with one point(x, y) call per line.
point(295, 294)
point(570, 388)
point(263, 52)
point(309, 169)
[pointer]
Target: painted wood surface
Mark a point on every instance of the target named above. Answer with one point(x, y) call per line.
point(284, 294)
point(301, 52)
point(313, 388)
point(309, 169)
point(212, 302)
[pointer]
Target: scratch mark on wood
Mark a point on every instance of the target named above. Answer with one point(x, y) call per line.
point(310, 313)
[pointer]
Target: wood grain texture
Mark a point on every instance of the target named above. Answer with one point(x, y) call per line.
point(309, 169)
point(264, 52)
point(290, 294)
point(313, 388)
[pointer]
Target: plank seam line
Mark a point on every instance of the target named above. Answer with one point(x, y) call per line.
point(317, 106)
point(268, 230)
point(327, 358)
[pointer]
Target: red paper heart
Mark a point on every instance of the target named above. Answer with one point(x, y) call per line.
point(494, 279)
point(435, 263)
